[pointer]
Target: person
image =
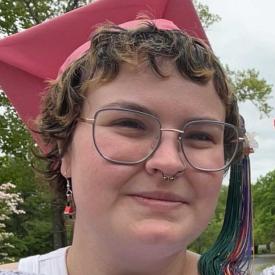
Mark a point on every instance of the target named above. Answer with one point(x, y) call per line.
point(140, 128)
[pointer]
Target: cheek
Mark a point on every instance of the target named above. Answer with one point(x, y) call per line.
point(201, 158)
point(206, 188)
point(96, 182)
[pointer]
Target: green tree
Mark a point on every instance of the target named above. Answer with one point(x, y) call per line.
point(9, 202)
point(15, 140)
point(17, 15)
point(33, 230)
point(264, 209)
point(207, 18)
point(250, 86)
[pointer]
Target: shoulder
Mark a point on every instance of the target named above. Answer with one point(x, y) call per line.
point(12, 266)
point(51, 263)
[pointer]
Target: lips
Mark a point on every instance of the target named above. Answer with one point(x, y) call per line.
point(161, 196)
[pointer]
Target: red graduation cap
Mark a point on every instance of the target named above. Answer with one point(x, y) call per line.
point(30, 58)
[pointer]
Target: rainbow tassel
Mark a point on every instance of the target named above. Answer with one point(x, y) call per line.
point(231, 253)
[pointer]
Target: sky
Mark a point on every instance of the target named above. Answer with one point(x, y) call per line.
point(245, 39)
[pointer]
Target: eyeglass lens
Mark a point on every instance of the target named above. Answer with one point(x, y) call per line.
point(130, 137)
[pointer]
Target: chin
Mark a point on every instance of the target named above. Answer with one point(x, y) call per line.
point(159, 233)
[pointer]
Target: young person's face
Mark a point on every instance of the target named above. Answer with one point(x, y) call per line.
point(108, 196)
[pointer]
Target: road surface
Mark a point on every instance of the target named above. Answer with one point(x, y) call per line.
point(263, 261)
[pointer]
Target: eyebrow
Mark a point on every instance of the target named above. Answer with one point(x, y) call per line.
point(141, 108)
point(202, 118)
point(132, 106)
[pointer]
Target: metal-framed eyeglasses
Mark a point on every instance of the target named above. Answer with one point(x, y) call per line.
point(125, 136)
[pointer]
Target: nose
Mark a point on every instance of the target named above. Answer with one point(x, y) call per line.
point(168, 159)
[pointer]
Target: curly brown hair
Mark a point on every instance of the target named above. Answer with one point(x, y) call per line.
point(111, 46)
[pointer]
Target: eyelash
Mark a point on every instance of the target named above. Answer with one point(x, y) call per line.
point(129, 123)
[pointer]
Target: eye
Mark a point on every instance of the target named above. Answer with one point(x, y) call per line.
point(129, 123)
point(199, 136)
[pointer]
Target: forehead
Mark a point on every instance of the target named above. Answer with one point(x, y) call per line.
point(173, 94)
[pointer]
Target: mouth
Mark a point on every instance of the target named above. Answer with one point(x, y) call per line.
point(159, 200)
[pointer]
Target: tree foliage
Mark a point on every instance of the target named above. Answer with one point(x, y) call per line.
point(207, 18)
point(264, 209)
point(17, 15)
point(32, 232)
point(15, 139)
point(251, 87)
point(9, 202)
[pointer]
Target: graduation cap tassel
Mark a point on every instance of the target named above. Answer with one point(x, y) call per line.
point(238, 262)
point(231, 253)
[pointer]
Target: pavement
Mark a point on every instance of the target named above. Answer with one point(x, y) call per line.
point(261, 261)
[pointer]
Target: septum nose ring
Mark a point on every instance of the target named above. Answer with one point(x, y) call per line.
point(169, 178)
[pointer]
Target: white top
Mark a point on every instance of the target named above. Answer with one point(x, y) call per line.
point(269, 271)
point(6, 272)
point(53, 263)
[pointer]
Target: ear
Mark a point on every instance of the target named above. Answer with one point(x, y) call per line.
point(65, 168)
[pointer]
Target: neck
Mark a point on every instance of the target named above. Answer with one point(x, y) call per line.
point(87, 257)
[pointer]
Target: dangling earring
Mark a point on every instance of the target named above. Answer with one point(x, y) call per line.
point(69, 210)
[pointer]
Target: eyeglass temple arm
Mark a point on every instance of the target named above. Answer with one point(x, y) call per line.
point(86, 120)
point(239, 140)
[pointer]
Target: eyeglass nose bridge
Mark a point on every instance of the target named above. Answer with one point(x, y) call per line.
point(180, 132)
point(179, 139)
